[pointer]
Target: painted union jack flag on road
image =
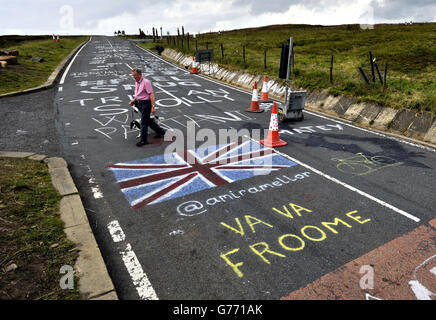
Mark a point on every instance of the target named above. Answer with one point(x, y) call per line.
point(164, 177)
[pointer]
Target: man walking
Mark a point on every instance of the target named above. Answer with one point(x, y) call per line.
point(145, 101)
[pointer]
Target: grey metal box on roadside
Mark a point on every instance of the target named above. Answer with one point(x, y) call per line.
point(204, 55)
point(297, 100)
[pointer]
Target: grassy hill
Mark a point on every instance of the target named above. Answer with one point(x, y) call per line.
point(28, 73)
point(409, 51)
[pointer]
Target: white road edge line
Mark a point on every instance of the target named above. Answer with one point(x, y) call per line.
point(140, 280)
point(116, 232)
point(71, 63)
point(309, 112)
point(362, 193)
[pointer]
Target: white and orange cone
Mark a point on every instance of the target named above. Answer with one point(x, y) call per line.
point(255, 101)
point(264, 95)
point(57, 39)
point(273, 139)
point(194, 66)
point(54, 38)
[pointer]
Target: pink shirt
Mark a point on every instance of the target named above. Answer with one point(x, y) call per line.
point(143, 89)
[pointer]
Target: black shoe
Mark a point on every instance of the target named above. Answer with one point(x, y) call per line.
point(160, 135)
point(141, 143)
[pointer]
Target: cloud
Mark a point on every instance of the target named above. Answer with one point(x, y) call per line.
point(106, 16)
point(404, 10)
point(258, 7)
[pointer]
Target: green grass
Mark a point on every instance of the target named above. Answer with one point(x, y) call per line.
point(29, 224)
point(28, 73)
point(409, 51)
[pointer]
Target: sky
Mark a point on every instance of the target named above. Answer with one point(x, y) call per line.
point(103, 17)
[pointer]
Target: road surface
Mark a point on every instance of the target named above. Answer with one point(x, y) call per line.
point(260, 224)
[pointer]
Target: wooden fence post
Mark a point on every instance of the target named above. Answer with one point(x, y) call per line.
point(264, 59)
point(243, 53)
point(331, 70)
point(378, 73)
point(385, 75)
point(363, 75)
point(222, 51)
point(371, 60)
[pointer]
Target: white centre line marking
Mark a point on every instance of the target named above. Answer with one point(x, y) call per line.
point(140, 280)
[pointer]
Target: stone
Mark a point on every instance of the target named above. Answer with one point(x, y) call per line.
point(384, 118)
point(62, 181)
point(13, 154)
point(430, 136)
point(38, 157)
point(38, 59)
point(72, 211)
point(11, 267)
point(108, 296)
point(342, 105)
point(420, 125)
point(55, 162)
point(368, 114)
point(354, 111)
point(94, 279)
point(403, 119)
point(3, 64)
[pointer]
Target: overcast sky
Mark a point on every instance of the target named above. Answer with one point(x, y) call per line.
point(106, 16)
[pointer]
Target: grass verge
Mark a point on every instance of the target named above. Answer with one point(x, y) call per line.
point(29, 73)
point(31, 234)
point(408, 50)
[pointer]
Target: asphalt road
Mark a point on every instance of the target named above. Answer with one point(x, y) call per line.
point(26, 123)
point(259, 225)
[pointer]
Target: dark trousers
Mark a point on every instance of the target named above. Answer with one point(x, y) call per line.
point(144, 107)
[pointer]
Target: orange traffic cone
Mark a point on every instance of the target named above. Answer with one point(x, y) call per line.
point(194, 66)
point(264, 95)
point(273, 139)
point(57, 39)
point(54, 38)
point(255, 101)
